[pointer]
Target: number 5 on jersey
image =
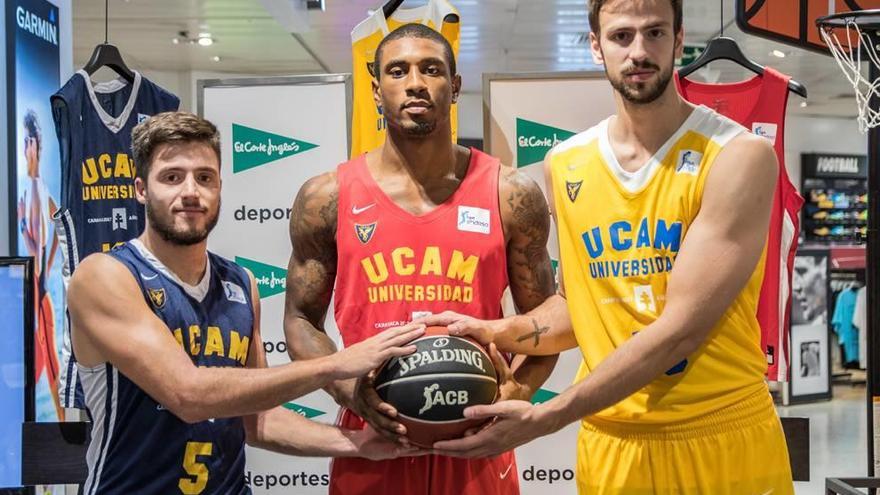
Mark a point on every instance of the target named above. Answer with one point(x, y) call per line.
point(194, 468)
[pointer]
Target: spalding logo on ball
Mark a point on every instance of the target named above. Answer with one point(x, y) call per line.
point(431, 387)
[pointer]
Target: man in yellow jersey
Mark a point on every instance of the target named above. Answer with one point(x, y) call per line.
point(662, 213)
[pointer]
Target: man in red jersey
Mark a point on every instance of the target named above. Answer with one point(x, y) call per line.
point(417, 226)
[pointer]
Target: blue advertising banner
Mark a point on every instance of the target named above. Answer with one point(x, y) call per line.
point(33, 65)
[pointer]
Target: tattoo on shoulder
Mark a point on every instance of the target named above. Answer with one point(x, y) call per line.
point(313, 219)
point(534, 334)
point(530, 227)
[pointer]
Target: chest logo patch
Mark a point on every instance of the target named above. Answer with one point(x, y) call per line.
point(573, 189)
point(688, 162)
point(365, 232)
point(472, 219)
point(157, 297)
point(765, 130)
point(233, 292)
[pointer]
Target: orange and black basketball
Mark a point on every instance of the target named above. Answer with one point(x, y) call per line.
point(431, 387)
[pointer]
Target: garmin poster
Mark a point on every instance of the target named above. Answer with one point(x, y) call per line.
point(33, 61)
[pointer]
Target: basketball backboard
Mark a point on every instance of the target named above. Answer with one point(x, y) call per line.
point(793, 22)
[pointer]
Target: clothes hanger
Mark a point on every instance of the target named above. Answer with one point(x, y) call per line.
point(107, 55)
point(726, 48)
point(392, 5)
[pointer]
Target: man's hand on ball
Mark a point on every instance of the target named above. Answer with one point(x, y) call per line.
point(361, 358)
point(483, 331)
point(515, 424)
point(377, 413)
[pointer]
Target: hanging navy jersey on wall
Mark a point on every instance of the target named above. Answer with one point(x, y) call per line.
point(137, 445)
point(98, 207)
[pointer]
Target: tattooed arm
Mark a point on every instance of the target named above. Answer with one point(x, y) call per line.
point(545, 329)
point(311, 273)
point(526, 220)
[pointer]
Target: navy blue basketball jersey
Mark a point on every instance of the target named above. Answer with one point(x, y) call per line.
point(137, 445)
point(98, 207)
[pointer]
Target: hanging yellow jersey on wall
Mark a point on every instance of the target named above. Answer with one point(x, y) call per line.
point(619, 235)
point(367, 124)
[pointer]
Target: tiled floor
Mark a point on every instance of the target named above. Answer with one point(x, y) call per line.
point(838, 445)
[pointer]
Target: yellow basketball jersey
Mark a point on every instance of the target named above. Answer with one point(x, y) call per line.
point(619, 234)
point(367, 124)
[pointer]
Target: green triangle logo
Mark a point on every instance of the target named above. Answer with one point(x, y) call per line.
point(307, 412)
point(543, 395)
point(253, 147)
point(534, 140)
point(270, 279)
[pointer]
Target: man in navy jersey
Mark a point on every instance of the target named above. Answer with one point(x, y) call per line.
point(168, 345)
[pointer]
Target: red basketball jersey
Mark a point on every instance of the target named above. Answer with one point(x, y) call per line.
point(394, 267)
point(759, 104)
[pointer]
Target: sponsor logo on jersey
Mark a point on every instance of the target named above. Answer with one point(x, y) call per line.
point(233, 292)
point(765, 130)
point(534, 140)
point(365, 232)
point(271, 280)
point(356, 210)
point(142, 117)
point(573, 189)
point(252, 147)
point(157, 296)
point(414, 361)
point(689, 162)
point(436, 397)
point(472, 219)
point(45, 29)
point(119, 219)
point(644, 298)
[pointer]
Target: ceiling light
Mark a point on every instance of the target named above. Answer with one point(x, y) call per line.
point(176, 41)
point(803, 104)
point(206, 41)
point(204, 35)
point(778, 53)
point(216, 58)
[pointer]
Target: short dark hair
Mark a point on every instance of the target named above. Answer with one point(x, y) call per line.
point(596, 6)
point(170, 127)
point(32, 128)
point(413, 30)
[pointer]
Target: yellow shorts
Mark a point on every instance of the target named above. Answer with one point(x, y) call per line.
point(738, 451)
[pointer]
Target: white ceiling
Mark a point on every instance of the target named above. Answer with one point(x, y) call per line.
point(497, 36)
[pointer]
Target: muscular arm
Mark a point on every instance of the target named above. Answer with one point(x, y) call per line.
point(311, 273)
point(526, 220)
point(718, 255)
point(112, 323)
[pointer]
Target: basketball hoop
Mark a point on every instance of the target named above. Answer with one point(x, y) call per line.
point(852, 38)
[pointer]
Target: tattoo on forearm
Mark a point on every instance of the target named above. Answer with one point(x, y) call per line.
point(535, 334)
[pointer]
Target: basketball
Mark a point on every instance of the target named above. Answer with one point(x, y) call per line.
point(431, 387)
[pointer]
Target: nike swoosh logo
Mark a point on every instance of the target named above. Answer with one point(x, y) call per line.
point(572, 167)
point(506, 471)
point(149, 278)
point(357, 211)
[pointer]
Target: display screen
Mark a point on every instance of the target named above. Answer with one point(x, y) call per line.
point(13, 286)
